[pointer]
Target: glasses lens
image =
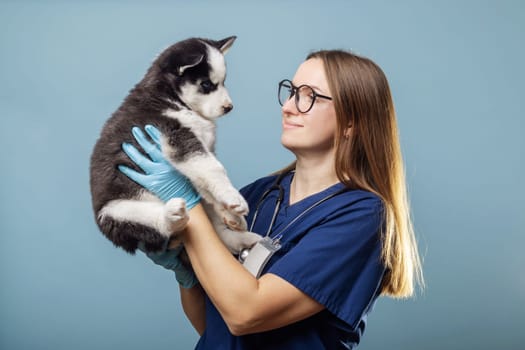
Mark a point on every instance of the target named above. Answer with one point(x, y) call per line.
point(285, 91)
point(305, 98)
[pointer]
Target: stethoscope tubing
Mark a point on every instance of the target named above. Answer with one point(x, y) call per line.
point(277, 186)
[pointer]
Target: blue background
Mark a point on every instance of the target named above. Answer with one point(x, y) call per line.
point(456, 69)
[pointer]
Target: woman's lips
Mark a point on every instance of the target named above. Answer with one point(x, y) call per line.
point(290, 125)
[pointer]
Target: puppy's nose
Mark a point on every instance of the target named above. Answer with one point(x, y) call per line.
point(227, 108)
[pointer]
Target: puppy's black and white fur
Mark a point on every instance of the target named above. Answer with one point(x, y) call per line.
point(181, 94)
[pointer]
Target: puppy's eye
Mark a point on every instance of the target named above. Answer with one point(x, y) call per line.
point(208, 86)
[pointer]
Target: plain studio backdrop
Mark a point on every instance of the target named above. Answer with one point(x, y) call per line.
point(456, 69)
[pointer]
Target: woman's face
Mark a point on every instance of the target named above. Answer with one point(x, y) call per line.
point(314, 131)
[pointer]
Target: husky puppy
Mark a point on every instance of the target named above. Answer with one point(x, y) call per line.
point(181, 94)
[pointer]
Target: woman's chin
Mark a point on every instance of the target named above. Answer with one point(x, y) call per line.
point(288, 143)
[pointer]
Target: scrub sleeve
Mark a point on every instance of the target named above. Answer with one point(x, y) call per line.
point(337, 262)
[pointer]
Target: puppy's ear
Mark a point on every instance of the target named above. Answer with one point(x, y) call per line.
point(225, 44)
point(177, 64)
point(189, 61)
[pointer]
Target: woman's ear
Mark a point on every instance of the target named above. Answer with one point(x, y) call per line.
point(348, 131)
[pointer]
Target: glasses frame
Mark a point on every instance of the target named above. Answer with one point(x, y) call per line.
point(294, 93)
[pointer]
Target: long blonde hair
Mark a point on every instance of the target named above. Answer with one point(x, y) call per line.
point(370, 159)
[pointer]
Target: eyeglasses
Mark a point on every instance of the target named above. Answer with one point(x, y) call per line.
point(305, 95)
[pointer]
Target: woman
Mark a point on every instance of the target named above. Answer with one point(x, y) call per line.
point(343, 228)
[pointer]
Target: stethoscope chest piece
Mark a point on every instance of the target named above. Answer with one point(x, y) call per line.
point(244, 254)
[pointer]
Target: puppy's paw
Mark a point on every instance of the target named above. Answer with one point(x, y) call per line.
point(234, 222)
point(237, 241)
point(175, 215)
point(233, 202)
point(248, 239)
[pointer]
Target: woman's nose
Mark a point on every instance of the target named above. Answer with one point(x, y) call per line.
point(289, 106)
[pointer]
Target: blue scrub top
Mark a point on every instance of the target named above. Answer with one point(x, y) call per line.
point(332, 254)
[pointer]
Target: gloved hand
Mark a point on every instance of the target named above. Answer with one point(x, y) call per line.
point(169, 259)
point(159, 176)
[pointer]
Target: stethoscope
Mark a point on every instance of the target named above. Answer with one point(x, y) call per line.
point(243, 254)
point(276, 186)
point(279, 188)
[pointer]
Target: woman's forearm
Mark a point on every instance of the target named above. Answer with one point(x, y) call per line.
point(225, 281)
point(193, 304)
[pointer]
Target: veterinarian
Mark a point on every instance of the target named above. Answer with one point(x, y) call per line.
point(336, 223)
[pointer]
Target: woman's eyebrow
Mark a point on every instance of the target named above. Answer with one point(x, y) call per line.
point(315, 87)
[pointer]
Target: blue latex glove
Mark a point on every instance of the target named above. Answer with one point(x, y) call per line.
point(169, 259)
point(165, 182)
point(159, 176)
